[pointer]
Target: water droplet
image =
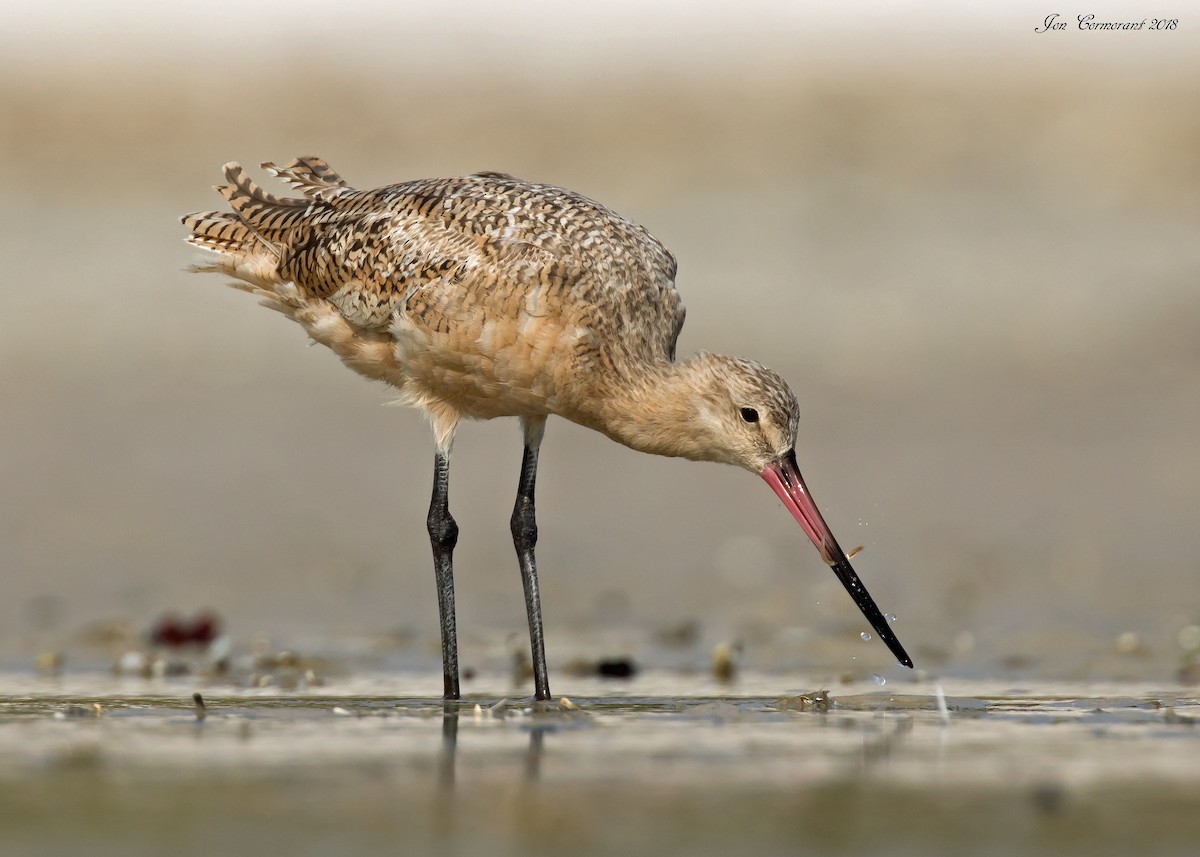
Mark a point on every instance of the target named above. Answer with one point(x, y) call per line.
point(891, 617)
point(865, 635)
point(879, 680)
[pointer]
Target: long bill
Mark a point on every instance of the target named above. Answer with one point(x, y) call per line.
point(784, 477)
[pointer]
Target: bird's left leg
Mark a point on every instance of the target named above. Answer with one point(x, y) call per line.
point(524, 531)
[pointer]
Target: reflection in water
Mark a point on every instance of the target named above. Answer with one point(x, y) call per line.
point(533, 756)
point(446, 763)
point(878, 748)
point(449, 744)
point(443, 804)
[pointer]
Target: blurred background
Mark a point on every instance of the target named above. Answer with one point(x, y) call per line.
point(970, 247)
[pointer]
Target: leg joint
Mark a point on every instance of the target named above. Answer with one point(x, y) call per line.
point(524, 524)
point(443, 530)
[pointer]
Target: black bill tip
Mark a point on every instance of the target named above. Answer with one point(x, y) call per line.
point(846, 574)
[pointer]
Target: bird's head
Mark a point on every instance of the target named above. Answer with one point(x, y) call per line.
point(746, 414)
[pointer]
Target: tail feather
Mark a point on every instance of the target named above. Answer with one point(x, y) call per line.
point(239, 251)
point(311, 176)
point(269, 215)
point(247, 241)
point(218, 231)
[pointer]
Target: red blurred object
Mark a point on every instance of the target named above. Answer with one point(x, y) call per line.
point(173, 630)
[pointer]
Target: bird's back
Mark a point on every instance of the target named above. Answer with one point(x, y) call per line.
point(485, 280)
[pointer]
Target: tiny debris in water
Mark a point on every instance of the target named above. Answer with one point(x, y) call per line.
point(201, 711)
point(680, 635)
point(570, 709)
point(616, 668)
point(49, 663)
point(172, 630)
point(133, 662)
point(854, 552)
point(619, 667)
point(818, 701)
point(1128, 643)
point(285, 669)
point(1016, 662)
point(724, 661)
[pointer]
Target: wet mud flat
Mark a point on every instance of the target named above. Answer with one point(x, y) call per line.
point(107, 767)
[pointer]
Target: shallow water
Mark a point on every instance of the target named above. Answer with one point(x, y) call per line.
point(367, 765)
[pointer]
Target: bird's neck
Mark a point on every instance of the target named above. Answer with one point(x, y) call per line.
point(655, 409)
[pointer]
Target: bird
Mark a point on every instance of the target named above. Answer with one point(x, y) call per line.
point(485, 296)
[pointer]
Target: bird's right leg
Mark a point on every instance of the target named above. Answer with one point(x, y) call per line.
point(443, 536)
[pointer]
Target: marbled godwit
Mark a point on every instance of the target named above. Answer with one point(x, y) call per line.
point(488, 296)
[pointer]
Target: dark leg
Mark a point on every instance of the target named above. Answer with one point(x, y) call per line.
point(443, 534)
point(524, 530)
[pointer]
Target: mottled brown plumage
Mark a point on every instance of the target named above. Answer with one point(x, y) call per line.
point(488, 296)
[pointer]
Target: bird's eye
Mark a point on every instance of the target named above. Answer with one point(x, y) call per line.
point(750, 415)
